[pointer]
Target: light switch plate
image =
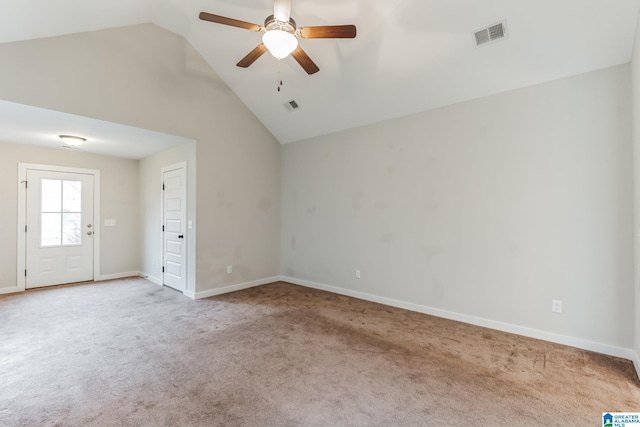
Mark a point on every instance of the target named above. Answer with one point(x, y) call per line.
point(109, 222)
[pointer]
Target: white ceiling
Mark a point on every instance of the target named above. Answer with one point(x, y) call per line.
point(24, 124)
point(409, 55)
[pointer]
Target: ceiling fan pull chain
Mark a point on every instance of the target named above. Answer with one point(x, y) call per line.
point(279, 78)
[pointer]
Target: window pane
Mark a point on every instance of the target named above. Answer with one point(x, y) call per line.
point(71, 196)
point(71, 229)
point(50, 229)
point(51, 195)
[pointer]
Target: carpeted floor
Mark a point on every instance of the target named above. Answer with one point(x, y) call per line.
point(129, 352)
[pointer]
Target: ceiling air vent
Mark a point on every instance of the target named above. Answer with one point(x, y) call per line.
point(291, 105)
point(491, 34)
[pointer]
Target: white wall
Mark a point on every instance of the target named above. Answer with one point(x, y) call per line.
point(147, 77)
point(487, 209)
point(635, 82)
point(119, 201)
point(150, 211)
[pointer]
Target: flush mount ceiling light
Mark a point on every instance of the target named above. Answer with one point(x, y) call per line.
point(72, 141)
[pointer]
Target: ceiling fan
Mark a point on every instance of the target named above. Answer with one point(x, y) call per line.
point(281, 35)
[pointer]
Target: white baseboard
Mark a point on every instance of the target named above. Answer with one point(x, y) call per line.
point(104, 277)
point(150, 278)
point(11, 290)
point(101, 278)
point(610, 350)
point(636, 362)
point(232, 288)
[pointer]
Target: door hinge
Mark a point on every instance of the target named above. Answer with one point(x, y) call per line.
point(163, 228)
point(162, 270)
point(25, 273)
point(163, 186)
point(25, 228)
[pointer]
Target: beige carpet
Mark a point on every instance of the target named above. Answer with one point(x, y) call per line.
point(131, 353)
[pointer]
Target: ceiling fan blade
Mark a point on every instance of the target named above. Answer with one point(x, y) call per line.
point(282, 10)
point(305, 62)
point(229, 21)
point(329, 32)
point(252, 56)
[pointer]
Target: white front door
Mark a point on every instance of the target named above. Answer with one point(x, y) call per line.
point(59, 228)
point(174, 227)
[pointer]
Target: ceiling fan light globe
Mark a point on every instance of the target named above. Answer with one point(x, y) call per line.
point(280, 43)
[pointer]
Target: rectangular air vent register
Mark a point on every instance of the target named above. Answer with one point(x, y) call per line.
point(491, 34)
point(291, 105)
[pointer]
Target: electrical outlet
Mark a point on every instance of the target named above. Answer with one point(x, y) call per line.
point(357, 274)
point(556, 306)
point(229, 269)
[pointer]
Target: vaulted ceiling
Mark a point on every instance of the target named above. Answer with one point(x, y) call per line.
point(409, 55)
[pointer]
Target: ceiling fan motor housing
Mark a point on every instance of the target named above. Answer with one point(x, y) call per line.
point(271, 23)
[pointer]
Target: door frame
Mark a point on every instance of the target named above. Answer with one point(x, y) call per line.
point(164, 169)
point(22, 216)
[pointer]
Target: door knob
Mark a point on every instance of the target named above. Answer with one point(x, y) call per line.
point(89, 233)
point(180, 236)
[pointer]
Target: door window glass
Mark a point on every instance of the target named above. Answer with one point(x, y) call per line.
point(61, 213)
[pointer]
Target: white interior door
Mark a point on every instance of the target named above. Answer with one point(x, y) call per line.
point(174, 227)
point(59, 228)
